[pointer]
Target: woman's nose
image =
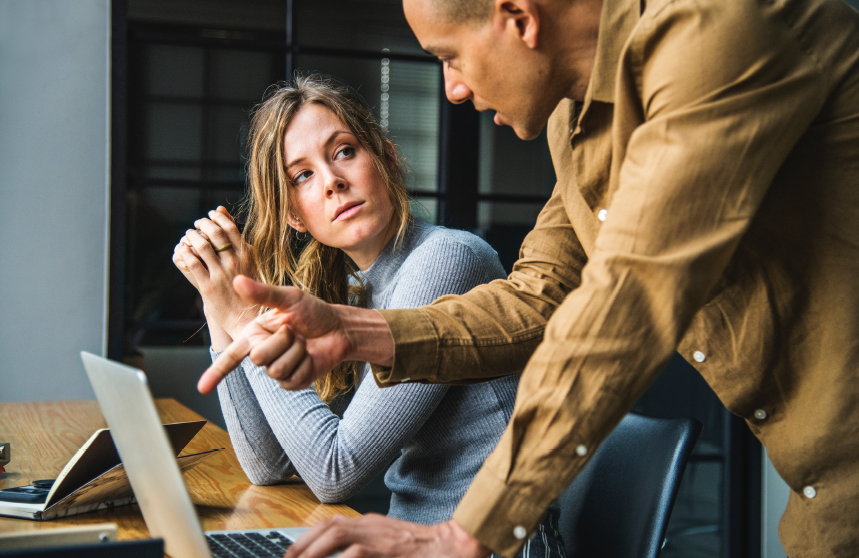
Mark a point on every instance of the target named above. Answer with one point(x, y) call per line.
point(335, 184)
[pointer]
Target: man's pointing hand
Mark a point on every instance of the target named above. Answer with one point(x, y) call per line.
point(301, 339)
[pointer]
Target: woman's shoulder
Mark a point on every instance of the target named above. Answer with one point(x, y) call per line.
point(446, 261)
point(435, 242)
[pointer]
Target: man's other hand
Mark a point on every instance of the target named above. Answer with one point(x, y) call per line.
point(377, 536)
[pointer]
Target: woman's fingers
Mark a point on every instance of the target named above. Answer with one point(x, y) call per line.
point(178, 261)
point(216, 235)
point(224, 220)
point(222, 209)
point(204, 248)
point(191, 262)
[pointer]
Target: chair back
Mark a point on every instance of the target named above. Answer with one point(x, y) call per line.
point(619, 505)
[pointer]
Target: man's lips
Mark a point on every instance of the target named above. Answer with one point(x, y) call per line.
point(347, 210)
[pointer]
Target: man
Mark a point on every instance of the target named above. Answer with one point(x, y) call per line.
point(707, 155)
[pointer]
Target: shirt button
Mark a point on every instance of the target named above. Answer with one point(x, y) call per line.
point(699, 356)
point(760, 414)
point(602, 214)
point(809, 492)
point(581, 450)
point(519, 532)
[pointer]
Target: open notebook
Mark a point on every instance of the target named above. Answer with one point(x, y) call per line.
point(94, 479)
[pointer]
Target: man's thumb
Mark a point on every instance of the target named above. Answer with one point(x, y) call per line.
point(265, 295)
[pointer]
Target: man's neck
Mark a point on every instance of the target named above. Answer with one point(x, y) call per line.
point(574, 33)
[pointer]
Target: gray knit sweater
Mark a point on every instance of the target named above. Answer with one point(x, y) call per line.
point(437, 436)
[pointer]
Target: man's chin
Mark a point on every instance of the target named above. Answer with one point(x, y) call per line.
point(525, 128)
point(528, 131)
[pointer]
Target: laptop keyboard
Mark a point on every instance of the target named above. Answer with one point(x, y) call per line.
point(248, 545)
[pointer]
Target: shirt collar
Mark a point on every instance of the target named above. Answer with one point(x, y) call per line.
point(617, 20)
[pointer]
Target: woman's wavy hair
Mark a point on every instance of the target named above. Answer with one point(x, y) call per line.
point(281, 257)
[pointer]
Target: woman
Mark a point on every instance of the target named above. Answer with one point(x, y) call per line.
point(321, 166)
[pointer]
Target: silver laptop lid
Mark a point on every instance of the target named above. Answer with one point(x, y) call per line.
point(127, 405)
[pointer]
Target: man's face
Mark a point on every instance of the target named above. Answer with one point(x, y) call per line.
point(490, 65)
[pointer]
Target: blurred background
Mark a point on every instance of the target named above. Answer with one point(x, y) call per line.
point(122, 122)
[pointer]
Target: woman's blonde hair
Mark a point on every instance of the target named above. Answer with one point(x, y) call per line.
point(280, 256)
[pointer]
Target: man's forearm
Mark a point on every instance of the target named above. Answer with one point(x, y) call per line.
point(368, 335)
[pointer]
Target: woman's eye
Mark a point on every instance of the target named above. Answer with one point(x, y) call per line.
point(347, 151)
point(301, 177)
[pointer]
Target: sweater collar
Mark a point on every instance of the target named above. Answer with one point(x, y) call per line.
point(383, 270)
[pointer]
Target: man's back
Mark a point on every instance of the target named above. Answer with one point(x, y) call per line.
point(769, 161)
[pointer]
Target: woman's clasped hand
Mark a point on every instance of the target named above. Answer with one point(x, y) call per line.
point(211, 256)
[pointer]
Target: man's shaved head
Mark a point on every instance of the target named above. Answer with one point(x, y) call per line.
point(464, 11)
point(519, 58)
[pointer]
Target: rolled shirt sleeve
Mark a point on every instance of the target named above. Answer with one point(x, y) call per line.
point(492, 330)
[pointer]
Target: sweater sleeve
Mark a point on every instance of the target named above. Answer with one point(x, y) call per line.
point(275, 430)
point(257, 448)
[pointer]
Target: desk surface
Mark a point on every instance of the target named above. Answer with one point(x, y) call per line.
point(45, 435)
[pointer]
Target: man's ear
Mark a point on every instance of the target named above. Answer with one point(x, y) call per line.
point(295, 222)
point(521, 16)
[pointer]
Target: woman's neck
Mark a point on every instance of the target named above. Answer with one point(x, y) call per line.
point(365, 255)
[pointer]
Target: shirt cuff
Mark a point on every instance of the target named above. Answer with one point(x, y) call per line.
point(416, 353)
point(499, 516)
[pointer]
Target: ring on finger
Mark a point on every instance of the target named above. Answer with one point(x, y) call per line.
point(226, 246)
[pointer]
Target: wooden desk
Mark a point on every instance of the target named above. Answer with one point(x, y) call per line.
point(44, 436)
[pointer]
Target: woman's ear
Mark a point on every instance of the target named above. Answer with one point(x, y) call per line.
point(295, 222)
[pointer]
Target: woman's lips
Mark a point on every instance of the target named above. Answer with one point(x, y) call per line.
point(347, 213)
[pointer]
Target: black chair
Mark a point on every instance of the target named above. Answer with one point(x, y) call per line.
point(619, 505)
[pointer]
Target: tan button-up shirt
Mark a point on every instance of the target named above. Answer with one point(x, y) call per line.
point(707, 202)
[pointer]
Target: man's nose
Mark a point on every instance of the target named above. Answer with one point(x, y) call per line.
point(455, 89)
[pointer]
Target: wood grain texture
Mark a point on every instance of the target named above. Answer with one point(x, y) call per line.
point(45, 435)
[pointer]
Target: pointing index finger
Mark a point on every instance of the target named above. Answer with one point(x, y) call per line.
point(226, 362)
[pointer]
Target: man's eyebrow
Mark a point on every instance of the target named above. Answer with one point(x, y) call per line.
point(438, 52)
point(330, 138)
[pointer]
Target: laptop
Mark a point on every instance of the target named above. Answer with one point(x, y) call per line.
point(124, 397)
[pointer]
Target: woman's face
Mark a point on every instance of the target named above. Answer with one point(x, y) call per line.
point(337, 194)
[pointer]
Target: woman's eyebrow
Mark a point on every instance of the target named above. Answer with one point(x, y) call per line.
point(327, 142)
point(334, 135)
point(295, 161)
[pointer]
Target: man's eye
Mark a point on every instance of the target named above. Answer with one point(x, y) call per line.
point(347, 151)
point(301, 177)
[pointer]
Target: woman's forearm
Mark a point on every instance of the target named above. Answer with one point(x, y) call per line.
point(337, 456)
point(262, 459)
point(220, 338)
